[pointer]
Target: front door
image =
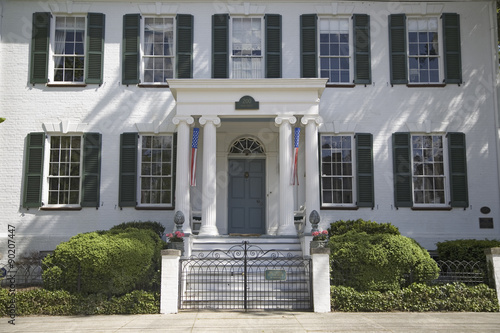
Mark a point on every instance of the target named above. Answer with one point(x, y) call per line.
point(246, 196)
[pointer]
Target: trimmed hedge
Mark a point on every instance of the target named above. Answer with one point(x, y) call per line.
point(157, 227)
point(465, 249)
point(378, 261)
point(342, 227)
point(60, 302)
point(114, 262)
point(417, 298)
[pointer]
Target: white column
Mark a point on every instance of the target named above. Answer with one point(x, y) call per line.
point(312, 170)
point(286, 224)
point(209, 181)
point(169, 289)
point(321, 279)
point(182, 197)
point(493, 260)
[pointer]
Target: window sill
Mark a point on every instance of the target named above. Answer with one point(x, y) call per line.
point(141, 85)
point(331, 85)
point(439, 85)
point(153, 208)
point(67, 85)
point(431, 208)
point(61, 208)
point(339, 208)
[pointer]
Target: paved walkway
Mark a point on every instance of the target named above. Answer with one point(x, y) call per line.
point(263, 322)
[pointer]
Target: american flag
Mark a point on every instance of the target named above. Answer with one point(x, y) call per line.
point(296, 156)
point(194, 150)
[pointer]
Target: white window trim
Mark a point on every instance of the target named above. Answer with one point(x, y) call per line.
point(440, 48)
point(142, 43)
point(353, 176)
point(262, 44)
point(139, 175)
point(52, 41)
point(351, 47)
point(46, 169)
point(446, 166)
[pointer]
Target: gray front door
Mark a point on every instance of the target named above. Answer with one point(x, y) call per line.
point(246, 195)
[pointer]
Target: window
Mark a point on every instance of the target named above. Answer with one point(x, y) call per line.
point(346, 170)
point(147, 171)
point(156, 170)
point(425, 50)
point(62, 171)
point(246, 47)
point(336, 49)
point(157, 48)
point(67, 49)
point(430, 170)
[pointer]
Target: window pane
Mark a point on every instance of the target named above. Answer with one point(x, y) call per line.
point(423, 49)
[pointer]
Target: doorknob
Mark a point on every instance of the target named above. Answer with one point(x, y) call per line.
point(247, 175)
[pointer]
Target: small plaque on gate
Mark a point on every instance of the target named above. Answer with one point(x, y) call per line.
point(276, 274)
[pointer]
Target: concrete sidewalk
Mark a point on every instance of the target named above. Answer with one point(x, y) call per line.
point(263, 321)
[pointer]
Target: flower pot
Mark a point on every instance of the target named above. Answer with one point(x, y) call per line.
point(177, 246)
point(319, 244)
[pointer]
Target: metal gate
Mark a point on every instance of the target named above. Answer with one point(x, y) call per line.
point(245, 277)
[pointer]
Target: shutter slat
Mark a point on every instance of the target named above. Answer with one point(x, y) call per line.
point(95, 47)
point(40, 38)
point(273, 45)
point(91, 170)
point(402, 170)
point(130, 52)
point(128, 170)
point(452, 50)
point(397, 48)
point(308, 46)
point(184, 44)
point(458, 170)
point(32, 196)
point(364, 160)
point(220, 46)
point(362, 62)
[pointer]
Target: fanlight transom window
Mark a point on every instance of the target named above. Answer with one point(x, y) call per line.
point(246, 146)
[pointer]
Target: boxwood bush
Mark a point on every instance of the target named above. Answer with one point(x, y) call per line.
point(114, 262)
point(378, 261)
point(341, 227)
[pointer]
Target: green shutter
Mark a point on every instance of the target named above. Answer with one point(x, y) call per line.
point(130, 48)
point(220, 46)
point(128, 170)
point(91, 170)
point(308, 46)
point(364, 160)
point(451, 48)
point(273, 45)
point(397, 48)
point(95, 47)
point(362, 66)
point(402, 169)
point(458, 170)
point(40, 37)
point(174, 167)
point(184, 56)
point(33, 173)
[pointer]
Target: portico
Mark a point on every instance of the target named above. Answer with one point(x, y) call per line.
point(265, 117)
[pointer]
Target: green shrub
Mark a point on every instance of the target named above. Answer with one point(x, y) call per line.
point(113, 263)
point(465, 249)
point(417, 297)
point(378, 261)
point(341, 227)
point(157, 227)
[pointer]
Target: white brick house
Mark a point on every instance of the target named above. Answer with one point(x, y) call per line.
point(396, 102)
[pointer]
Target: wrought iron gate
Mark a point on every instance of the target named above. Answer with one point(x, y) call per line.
point(245, 277)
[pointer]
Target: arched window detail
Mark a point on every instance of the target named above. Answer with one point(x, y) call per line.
point(246, 146)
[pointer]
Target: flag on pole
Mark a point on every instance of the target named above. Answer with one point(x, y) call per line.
point(194, 150)
point(296, 156)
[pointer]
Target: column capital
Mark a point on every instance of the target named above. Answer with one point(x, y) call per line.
point(279, 120)
point(186, 119)
point(212, 119)
point(311, 118)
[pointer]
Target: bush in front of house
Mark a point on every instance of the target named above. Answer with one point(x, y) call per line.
point(113, 262)
point(370, 227)
point(418, 298)
point(379, 261)
point(157, 227)
point(465, 249)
